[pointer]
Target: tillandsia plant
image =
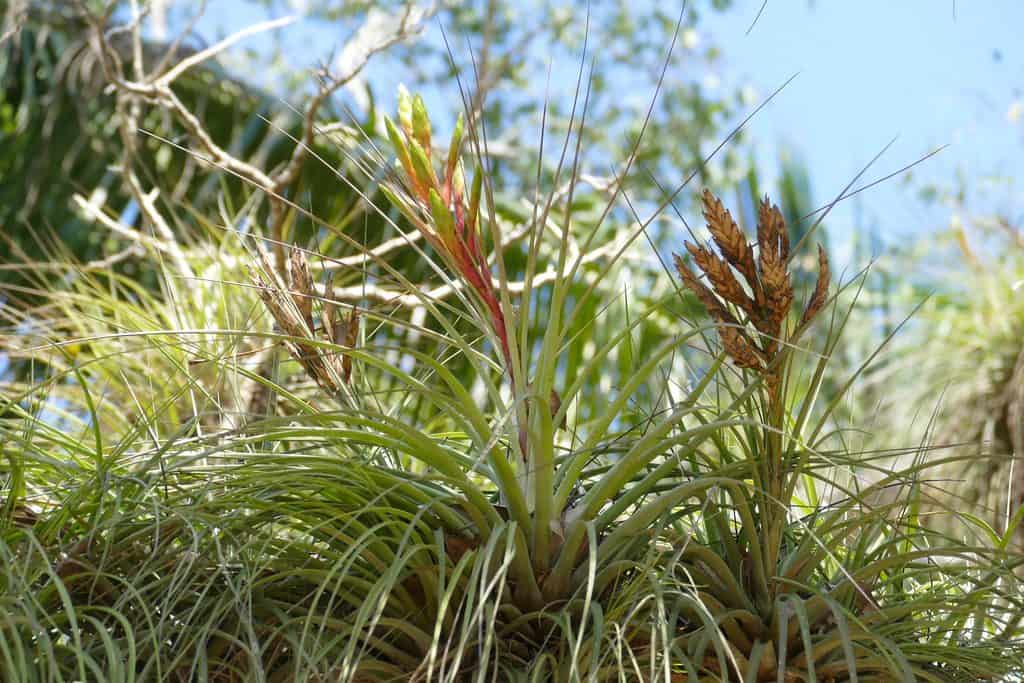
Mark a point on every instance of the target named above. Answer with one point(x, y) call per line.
point(765, 341)
point(973, 382)
point(453, 224)
point(836, 593)
point(702, 522)
point(528, 473)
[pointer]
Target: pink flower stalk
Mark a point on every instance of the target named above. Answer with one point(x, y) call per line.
point(438, 206)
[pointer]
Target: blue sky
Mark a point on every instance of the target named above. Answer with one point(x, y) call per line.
point(932, 72)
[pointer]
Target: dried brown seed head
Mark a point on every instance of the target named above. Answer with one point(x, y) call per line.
point(772, 234)
point(764, 221)
point(727, 235)
point(820, 295)
point(739, 348)
point(291, 317)
point(778, 289)
point(714, 307)
point(724, 281)
point(767, 295)
point(302, 287)
point(735, 342)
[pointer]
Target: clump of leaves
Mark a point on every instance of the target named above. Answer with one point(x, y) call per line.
point(854, 588)
point(969, 384)
point(449, 528)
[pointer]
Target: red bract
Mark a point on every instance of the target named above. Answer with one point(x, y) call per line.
point(438, 207)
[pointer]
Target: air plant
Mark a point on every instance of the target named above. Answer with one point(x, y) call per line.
point(808, 598)
point(753, 320)
point(716, 537)
point(453, 224)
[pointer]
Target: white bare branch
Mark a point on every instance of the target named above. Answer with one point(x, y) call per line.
point(212, 51)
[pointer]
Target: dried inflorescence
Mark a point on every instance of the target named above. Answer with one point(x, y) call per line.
point(765, 295)
point(292, 309)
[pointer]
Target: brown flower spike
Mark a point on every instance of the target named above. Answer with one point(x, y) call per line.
point(765, 295)
point(292, 309)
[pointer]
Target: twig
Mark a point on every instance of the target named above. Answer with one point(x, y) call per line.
point(328, 86)
point(94, 212)
point(212, 51)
